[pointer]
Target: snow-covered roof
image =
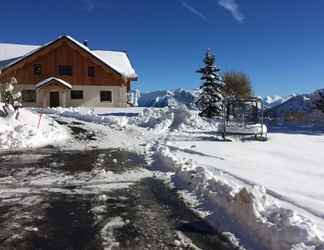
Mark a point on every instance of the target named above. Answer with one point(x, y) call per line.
point(48, 80)
point(117, 60)
point(10, 51)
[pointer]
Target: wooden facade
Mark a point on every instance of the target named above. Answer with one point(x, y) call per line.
point(64, 52)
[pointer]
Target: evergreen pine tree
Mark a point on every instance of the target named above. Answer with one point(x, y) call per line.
point(211, 96)
point(10, 98)
point(320, 102)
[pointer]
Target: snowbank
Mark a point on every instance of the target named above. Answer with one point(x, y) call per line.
point(156, 120)
point(23, 133)
point(172, 119)
point(89, 115)
point(246, 211)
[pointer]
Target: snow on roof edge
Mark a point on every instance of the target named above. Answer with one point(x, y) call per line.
point(30, 53)
point(9, 51)
point(46, 81)
point(116, 58)
point(92, 52)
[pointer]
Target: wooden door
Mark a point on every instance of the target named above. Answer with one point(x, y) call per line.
point(54, 99)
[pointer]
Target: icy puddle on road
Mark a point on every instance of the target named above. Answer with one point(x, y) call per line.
point(99, 199)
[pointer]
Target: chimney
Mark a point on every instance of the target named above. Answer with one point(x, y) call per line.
point(85, 43)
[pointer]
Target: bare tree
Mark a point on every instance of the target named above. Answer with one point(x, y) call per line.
point(237, 84)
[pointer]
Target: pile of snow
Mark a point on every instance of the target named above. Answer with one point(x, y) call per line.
point(258, 220)
point(172, 119)
point(156, 120)
point(183, 119)
point(23, 132)
point(152, 119)
point(168, 98)
point(89, 115)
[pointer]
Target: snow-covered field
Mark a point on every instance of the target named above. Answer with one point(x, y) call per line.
point(269, 194)
point(24, 132)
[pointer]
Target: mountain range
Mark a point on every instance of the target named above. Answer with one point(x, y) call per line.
point(276, 106)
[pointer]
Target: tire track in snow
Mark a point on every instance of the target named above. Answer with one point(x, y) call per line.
point(190, 151)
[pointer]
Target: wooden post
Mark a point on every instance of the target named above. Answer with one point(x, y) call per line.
point(39, 120)
point(224, 120)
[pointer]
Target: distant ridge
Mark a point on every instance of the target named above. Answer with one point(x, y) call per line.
point(164, 98)
point(295, 107)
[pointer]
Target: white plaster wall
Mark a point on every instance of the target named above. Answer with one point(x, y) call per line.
point(91, 96)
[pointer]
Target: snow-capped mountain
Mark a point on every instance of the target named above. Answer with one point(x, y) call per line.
point(298, 108)
point(298, 103)
point(275, 100)
point(287, 108)
point(164, 98)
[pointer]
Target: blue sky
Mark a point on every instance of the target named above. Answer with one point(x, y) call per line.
point(279, 44)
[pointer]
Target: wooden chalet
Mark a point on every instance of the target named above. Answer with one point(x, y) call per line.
point(67, 73)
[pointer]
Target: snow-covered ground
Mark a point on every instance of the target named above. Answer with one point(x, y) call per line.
point(285, 164)
point(269, 194)
point(24, 132)
point(290, 167)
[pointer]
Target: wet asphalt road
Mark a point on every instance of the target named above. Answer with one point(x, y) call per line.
point(73, 212)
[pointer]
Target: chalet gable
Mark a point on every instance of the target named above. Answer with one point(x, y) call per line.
point(113, 61)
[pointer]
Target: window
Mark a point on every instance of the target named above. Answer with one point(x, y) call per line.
point(105, 96)
point(91, 71)
point(28, 96)
point(76, 94)
point(65, 70)
point(37, 69)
